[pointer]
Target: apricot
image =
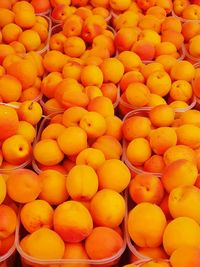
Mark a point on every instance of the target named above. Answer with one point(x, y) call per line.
point(91, 157)
point(93, 124)
point(102, 214)
point(190, 117)
point(8, 221)
point(86, 177)
point(72, 116)
point(3, 189)
point(108, 240)
point(109, 145)
point(50, 244)
point(179, 152)
point(138, 151)
point(186, 231)
point(54, 155)
point(130, 60)
point(16, 149)
point(136, 126)
point(52, 131)
point(54, 61)
point(184, 201)
point(188, 135)
point(109, 180)
point(162, 115)
point(137, 94)
point(162, 139)
point(72, 140)
point(112, 70)
point(114, 127)
point(182, 70)
point(183, 168)
point(129, 77)
point(75, 251)
point(91, 75)
point(36, 214)
point(183, 256)
point(53, 187)
point(154, 164)
point(9, 122)
point(141, 231)
point(146, 188)
point(23, 185)
point(98, 102)
point(72, 221)
point(24, 70)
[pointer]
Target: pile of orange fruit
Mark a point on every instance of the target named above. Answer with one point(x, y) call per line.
point(100, 132)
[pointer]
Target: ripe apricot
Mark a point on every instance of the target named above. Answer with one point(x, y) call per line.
point(23, 185)
point(115, 182)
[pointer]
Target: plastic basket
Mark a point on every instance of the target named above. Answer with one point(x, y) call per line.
point(28, 261)
point(144, 112)
point(46, 47)
point(8, 259)
point(128, 107)
point(184, 20)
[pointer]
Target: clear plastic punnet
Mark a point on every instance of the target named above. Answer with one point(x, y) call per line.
point(184, 20)
point(8, 259)
point(144, 112)
point(125, 107)
point(28, 261)
point(27, 163)
point(46, 47)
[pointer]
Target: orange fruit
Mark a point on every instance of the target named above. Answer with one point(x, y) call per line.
point(72, 221)
point(109, 180)
point(9, 122)
point(109, 145)
point(36, 214)
point(113, 244)
point(186, 231)
point(54, 187)
point(88, 182)
point(138, 151)
point(102, 214)
point(141, 231)
point(23, 185)
point(50, 243)
point(162, 115)
point(179, 173)
point(72, 140)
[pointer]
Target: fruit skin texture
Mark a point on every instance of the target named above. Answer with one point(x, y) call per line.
point(8, 221)
point(146, 188)
point(140, 227)
point(179, 173)
point(51, 150)
point(103, 242)
point(36, 214)
point(3, 189)
point(72, 140)
point(113, 174)
point(54, 189)
point(182, 231)
point(186, 256)
point(82, 182)
point(185, 201)
point(45, 244)
point(72, 221)
point(9, 122)
point(104, 214)
point(23, 185)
